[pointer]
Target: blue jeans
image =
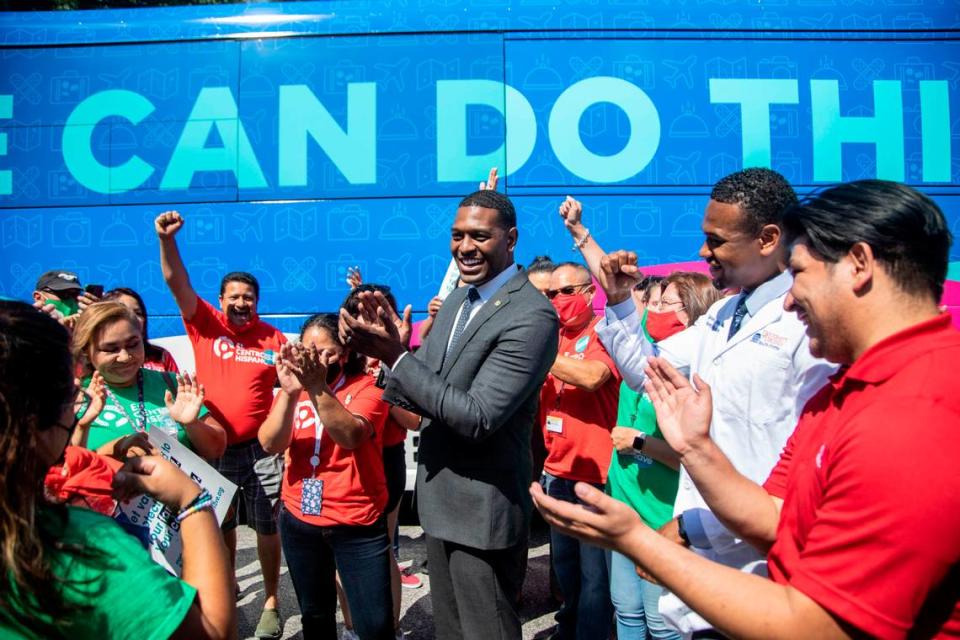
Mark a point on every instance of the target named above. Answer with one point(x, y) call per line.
point(636, 603)
point(362, 554)
point(581, 571)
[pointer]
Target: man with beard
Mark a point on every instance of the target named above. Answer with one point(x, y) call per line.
point(476, 382)
point(861, 515)
point(753, 351)
point(235, 357)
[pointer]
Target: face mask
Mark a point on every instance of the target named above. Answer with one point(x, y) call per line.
point(661, 326)
point(574, 310)
point(66, 307)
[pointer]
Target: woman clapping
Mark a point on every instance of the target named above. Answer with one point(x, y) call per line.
point(329, 419)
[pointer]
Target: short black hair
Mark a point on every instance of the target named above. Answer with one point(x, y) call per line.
point(575, 265)
point(647, 283)
point(330, 322)
point(541, 264)
point(489, 199)
point(241, 276)
point(905, 229)
point(352, 301)
point(762, 194)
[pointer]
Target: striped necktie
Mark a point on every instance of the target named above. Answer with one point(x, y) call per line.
point(473, 296)
point(738, 315)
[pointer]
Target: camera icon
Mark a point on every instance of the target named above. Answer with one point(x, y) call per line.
point(70, 229)
point(641, 219)
point(348, 223)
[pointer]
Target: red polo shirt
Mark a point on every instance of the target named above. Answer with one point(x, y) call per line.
point(236, 367)
point(870, 526)
point(576, 423)
point(354, 486)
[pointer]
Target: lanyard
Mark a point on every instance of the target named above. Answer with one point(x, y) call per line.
point(318, 430)
point(142, 409)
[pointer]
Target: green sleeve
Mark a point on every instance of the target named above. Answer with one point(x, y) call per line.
point(129, 595)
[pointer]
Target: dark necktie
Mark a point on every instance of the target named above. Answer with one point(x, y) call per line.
point(473, 297)
point(738, 315)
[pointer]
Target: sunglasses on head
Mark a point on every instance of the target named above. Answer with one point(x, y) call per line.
point(567, 291)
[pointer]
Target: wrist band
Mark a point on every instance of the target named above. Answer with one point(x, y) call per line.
point(203, 501)
point(582, 242)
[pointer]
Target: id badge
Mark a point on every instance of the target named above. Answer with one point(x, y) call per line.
point(554, 424)
point(311, 501)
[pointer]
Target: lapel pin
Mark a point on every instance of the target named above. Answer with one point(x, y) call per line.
point(496, 303)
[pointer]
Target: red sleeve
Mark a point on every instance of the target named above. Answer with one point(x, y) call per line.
point(887, 530)
point(367, 402)
point(205, 319)
point(776, 484)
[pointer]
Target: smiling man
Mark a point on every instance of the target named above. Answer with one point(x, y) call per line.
point(748, 346)
point(234, 352)
point(861, 515)
point(476, 382)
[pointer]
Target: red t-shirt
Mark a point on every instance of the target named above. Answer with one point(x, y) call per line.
point(163, 363)
point(576, 423)
point(354, 486)
point(393, 433)
point(236, 367)
point(870, 525)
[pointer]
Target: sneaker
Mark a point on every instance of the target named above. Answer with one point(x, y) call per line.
point(406, 564)
point(349, 634)
point(269, 627)
point(410, 581)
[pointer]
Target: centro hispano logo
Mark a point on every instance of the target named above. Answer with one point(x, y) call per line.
point(226, 349)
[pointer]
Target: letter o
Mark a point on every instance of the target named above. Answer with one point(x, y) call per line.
point(564, 129)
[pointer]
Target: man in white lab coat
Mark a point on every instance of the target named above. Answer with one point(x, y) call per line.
point(752, 352)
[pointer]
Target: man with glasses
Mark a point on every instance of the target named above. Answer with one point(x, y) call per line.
point(578, 407)
point(752, 352)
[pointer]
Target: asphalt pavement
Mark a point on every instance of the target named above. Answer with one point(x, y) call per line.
point(537, 608)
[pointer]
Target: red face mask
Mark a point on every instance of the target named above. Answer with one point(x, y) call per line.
point(661, 326)
point(574, 310)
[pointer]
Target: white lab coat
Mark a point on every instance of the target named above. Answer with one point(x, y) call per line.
point(761, 379)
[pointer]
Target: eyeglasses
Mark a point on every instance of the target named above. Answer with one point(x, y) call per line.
point(80, 404)
point(663, 303)
point(567, 291)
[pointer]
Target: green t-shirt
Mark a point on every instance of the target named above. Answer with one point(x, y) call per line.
point(648, 486)
point(115, 421)
point(128, 594)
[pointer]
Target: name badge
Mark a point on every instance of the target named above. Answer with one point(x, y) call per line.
point(311, 500)
point(554, 424)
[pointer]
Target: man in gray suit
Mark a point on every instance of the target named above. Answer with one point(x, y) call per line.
point(476, 382)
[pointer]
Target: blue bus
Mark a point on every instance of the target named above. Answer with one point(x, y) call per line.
point(300, 139)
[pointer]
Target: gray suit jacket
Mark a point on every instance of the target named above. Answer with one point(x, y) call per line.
point(479, 405)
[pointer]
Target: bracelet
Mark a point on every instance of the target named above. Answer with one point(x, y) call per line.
point(203, 501)
point(582, 242)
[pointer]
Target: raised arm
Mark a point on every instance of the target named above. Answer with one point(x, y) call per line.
point(175, 274)
point(571, 211)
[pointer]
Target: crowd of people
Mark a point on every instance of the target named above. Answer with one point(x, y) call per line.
point(761, 451)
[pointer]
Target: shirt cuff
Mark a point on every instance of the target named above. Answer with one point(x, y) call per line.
point(623, 309)
point(394, 366)
point(695, 529)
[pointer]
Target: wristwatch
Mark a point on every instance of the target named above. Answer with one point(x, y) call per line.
point(639, 441)
point(682, 531)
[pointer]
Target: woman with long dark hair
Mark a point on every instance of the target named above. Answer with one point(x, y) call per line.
point(328, 418)
point(70, 572)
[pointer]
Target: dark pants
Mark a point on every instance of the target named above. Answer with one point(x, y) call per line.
point(363, 556)
point(582, 573)
point(474, 591)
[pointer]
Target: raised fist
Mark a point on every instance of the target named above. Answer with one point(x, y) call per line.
point(168, 224)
